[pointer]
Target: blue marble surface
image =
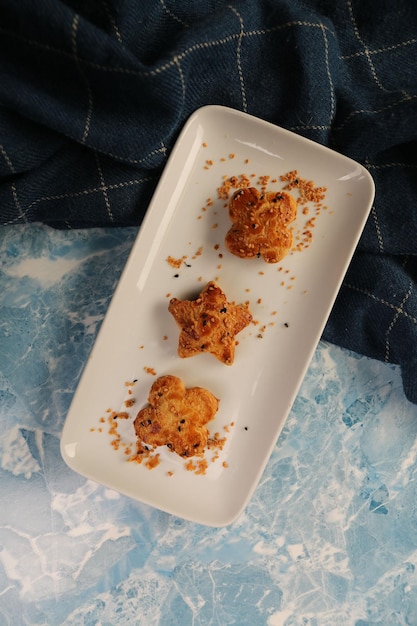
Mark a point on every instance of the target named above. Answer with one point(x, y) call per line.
point(329, 537)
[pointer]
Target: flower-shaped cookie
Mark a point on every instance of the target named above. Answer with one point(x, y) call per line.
point(175, 417)
point(260, 224)
point(209, 324)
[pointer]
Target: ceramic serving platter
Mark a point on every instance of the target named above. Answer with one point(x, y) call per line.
point(180, 247)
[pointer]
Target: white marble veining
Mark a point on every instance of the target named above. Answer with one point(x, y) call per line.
point(329, 537)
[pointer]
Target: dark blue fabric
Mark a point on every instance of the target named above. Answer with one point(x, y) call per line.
point(94, 93)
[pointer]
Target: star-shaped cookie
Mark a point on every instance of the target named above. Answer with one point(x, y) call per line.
point(209, 324)
point(175, 417)
point(260, 224)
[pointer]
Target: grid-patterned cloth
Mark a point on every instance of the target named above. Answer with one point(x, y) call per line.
point(94, 94)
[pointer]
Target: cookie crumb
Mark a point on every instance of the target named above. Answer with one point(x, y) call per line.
point(173, 262)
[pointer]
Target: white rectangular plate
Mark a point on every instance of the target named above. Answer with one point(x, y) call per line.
point(290, 301)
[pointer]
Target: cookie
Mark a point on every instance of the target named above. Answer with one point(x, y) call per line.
point(260, 224)
point(209, 324)
point(175, 417)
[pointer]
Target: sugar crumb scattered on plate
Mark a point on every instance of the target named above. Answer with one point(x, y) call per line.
point(173, 262)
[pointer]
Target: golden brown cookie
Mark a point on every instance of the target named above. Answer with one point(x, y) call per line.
point(260, 224)
point(209, 324)
point(175, 417)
